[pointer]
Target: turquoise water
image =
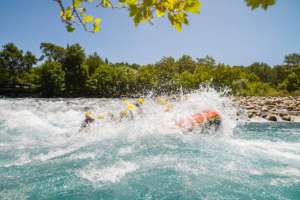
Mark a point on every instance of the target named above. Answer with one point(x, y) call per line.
point(42, 155)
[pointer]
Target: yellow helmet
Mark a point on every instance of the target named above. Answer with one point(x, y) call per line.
point(141, 100)
point(125, 101)
point(161, 101)
point(88, 114)
point(130, 106)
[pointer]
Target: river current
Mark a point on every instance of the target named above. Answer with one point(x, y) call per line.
point(44, 156)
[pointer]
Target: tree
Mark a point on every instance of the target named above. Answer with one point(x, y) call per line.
point(147, 79)
point(185, 63)
point(280, 72)
point(166, 67)
point(93, 62)
point(125, 81)
point(202, 74)
point(14, 64)
point(261, 70)
point(102, 82)
point(208, 60)
point(52, 52)
point(185, 80)
point(260, 3)
point(29, 60)
point(258, 89)
point(75, 70)
point(292, 59)
point(51, 79)
point(11, 62)
point(177, 11)
point(292, 81)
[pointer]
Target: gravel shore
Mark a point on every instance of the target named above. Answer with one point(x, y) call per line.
point(270, 108)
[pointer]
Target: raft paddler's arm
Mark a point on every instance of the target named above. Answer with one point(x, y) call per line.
point(131, 115)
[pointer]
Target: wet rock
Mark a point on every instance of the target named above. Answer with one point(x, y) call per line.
point(286, 118)
point(264, 115)
point(272, 118)
point(270, 108)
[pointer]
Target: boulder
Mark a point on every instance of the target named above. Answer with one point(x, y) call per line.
point(286, 118)
point(272, 118)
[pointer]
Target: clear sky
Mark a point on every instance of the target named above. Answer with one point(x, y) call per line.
point(226, 29)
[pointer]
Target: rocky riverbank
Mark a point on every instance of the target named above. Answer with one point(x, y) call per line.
point(270, 108)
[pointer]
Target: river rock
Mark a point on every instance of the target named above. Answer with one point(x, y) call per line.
point(286, 118)
point(270, 108)
point(272, 118)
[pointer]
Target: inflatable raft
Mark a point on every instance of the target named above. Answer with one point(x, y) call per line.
point(207, 118)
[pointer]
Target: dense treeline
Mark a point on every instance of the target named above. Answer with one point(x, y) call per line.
point(69, 72)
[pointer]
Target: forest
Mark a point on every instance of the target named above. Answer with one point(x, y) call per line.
point(70, 72)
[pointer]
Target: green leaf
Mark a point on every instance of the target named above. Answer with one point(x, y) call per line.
point(106, 3)
point(194, 7)
point(70, 28)
point(97, 21)
point(96, 28)
point(260, 3)
point(77, 3)
point(87, 19)
point(148, 2)
point(132, 10)
point(178, 26)
point(137, 19)
point(159, 13)
point(67, 15)
point(131, 2)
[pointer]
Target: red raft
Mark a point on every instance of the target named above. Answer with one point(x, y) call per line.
point(210, 118)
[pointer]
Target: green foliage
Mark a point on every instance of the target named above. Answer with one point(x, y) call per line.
point(292, 81)
point(185, 80)
point(177, 11)
point(292, 59)
point(51, 79)
point(13, 64)
point(260, 3)
point(52, 52)
point(76, 72)
point(208, 60)
point(102, 82)
point(262, 71)
point(258, 89)
point(187, 63)
point(69, 72)
point(93, 62)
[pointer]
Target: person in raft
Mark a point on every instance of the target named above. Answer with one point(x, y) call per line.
point(164, 102)
point(89, 119)
point(128, 112)
point(206, 119)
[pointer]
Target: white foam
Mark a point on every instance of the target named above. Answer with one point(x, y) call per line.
point(111, 174)
point(125, 151)
point(275, 150)
point(196, 170)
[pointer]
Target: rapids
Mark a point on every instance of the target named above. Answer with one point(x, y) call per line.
point(44, 156)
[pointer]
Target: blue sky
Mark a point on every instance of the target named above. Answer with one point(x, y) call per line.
point(226, 29)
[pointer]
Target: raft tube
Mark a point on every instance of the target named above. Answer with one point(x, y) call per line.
point(205, 118)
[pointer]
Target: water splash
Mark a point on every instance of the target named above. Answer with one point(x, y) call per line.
point(41, 151)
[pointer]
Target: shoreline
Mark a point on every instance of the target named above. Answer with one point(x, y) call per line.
point(249, 108)
point(276, 109)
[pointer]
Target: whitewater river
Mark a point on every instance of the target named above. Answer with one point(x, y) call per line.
point(43, 156)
